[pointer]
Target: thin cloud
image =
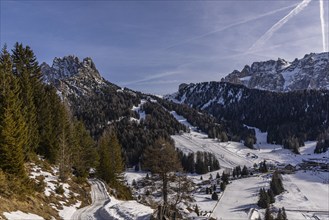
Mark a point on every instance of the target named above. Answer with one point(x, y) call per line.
point(232, 25)
point(323, 25)
point(150, 78)
point(265, 37)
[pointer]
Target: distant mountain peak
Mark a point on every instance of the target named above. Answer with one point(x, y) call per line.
point(70, 66)
point(77, 76)
point(310, 72)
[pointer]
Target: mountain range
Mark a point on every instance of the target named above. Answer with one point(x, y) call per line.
point(251, 97)
point(310, 72)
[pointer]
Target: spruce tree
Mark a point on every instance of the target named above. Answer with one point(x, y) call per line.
point(279, 215)
point(276, 184)
point(244, 171)
point(264, 199)
point(284, 215)
point(50, 114)
point(268, 215)
point(111, 163)
point(13, 130)
point(222, 186)
point(214, 196)
point(84, 154)
point(271, 196)
point(26, 68)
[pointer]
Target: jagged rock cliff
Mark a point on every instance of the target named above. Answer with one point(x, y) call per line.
point(310, 72)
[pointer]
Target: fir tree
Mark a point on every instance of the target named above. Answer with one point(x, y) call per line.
point(276, 184)
point(244, 171)
point(271, 196)
point(225, 178)
point(214, 196)
point(264, 199)
point(268, 215)
point(84, 152)
point(111, 163)
point(222, 186)
point(13, 130)
point(26, 68)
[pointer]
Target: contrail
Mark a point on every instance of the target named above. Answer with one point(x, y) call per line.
point(279, 24)
point(232, 25)
point(323, 26)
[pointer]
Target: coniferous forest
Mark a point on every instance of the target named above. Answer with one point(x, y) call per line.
point(35, 121)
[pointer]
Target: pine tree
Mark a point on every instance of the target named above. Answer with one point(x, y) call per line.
point(50, 115)
point(222, 186)
point(214, 196)
point(111, 163)
point(264, 199)
point(268, 215)
point(276, 184)
point(13, 130)
point(84, 154)
point(279, 215)
point(234, 173)
point(271, 196)
point(225, 178)
point(26, 68)
point(245, 171)
point(284, 215)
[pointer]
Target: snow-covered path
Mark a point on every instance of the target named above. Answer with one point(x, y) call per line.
point(99, 197)
point(104, 207)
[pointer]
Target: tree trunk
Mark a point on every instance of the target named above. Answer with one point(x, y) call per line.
point(165, 188)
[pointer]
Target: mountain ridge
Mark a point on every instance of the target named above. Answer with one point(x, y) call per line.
point(309, 72)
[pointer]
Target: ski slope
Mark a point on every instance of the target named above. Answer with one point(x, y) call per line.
point(306, 193)
point(231, 154)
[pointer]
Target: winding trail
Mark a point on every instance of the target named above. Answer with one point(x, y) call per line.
point(100, 197)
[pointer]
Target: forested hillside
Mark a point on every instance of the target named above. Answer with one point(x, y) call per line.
point(138, 119)
point(34, 120)
point(289, 118)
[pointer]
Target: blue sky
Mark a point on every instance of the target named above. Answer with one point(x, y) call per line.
point(153, 46)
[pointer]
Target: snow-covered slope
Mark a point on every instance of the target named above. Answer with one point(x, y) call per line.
point(310, 72)
point(306, 191)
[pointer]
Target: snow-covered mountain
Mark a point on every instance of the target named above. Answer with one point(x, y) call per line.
point(310, 72)
point(72, 75)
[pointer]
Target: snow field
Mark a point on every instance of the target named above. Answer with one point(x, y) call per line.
point(127, 210)
point(19, 215)
point(307, 192)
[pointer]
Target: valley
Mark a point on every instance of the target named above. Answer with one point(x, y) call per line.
point(85, 148)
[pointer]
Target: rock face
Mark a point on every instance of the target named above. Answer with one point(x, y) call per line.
point(310, 72)
point(72, 76)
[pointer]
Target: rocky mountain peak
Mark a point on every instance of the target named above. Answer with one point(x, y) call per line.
point(78, 77)
point(310, 72)
point(70, 66)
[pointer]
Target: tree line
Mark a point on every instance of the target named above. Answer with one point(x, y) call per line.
point(199, 162)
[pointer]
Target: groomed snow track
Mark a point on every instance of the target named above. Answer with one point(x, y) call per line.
point(100, 198)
